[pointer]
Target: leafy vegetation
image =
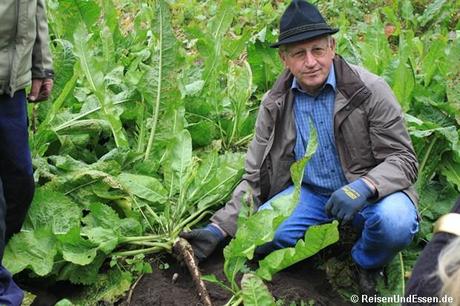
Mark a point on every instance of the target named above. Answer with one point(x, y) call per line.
point(154, 104)
point(255, 229)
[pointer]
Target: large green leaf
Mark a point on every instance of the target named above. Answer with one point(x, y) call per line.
point(203, 132)
point(53, 210)
point(33, 249)
point(404, 83)
point(75, 249)
point(255, 292)
point(79, 184)
point(111, 16)
point(432, 60)
point(106, 239)
point(159, 77)
point(375, 51)
point(177, 163)
point(433, 10)
point(451, 170)
point(145, 187)
point(453, 79)
point(63, 63)
point(259, 228)
point(316, 238)
point(101, 215)
point(239, 89)
point(219, 24)
point(85, 275)
point(130, 227)
point(394, 283)
point(407, 11)
point(218, 27)
point(104, 216)
point(72, 12)
point(239, 85)
point(94, 74)
point(298, 168)
point(432, 142)
point(232, 266)
point(64, 302)
point(265, 64)
point(105, 288)
point(215, 178)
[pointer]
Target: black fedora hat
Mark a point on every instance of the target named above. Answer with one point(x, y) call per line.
point(301, 21)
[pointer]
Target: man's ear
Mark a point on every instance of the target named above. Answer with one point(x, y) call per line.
point(333, 44)
point(282, 56)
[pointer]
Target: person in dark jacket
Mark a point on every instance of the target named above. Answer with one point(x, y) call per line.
point(363, 170)
point(436, 274)
point(25, 59)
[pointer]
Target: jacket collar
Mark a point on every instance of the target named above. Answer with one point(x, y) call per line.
point(347, 81)
point(349, 87)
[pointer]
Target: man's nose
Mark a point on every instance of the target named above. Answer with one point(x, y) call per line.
point(309, 60)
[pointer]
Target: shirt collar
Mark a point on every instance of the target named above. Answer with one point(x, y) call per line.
point(329, 81)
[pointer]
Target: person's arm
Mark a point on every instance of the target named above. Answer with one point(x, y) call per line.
point(223, 223)
point(42, 66)
point(249, 187)
point(423, 281)
point(391, 144)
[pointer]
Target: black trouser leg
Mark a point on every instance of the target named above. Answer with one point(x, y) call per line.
point(15, 160)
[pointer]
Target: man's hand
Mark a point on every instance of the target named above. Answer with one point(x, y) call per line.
point(203, 240)
point(345, 202)
point(40, 90)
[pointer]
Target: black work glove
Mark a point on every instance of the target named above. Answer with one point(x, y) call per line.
point(203, 240)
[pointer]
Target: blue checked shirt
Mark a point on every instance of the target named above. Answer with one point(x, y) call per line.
point(323, 173)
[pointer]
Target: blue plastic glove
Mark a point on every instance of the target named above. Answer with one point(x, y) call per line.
point(203, 240)
point(346, 201)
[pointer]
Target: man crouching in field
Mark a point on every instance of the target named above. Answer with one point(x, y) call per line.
point(363, 170)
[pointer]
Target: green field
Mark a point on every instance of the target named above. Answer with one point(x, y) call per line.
point(155, 103)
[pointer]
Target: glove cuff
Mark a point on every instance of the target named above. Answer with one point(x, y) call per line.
point(215, 231)
point(362, 188)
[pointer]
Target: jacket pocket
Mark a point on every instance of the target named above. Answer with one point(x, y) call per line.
point(255, 154)
point(356, 138)
point(280, 175)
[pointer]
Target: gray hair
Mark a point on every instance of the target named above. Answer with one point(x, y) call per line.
point(449, 271)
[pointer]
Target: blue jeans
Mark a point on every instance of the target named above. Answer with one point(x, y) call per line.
point(2, 221)
point(10, 293)
point(15, 160)
point(387, 226)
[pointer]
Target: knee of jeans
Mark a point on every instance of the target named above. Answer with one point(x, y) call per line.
point(285, 239)
point(394, 231)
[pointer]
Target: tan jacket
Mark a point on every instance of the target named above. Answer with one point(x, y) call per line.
point(370, 136)
point(24, 51)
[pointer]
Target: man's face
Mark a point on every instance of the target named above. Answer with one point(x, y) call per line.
point(309, 61)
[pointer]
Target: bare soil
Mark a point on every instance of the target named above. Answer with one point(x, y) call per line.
point(170, 283)
point(302, 282)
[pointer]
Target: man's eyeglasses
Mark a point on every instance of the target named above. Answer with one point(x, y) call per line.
point(299, 54)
